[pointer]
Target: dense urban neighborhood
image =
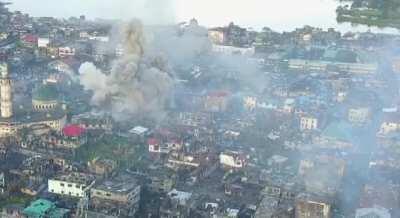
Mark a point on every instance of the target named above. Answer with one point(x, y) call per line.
point(104, 118)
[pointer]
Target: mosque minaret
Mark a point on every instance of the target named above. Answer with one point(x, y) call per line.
point(6, 106)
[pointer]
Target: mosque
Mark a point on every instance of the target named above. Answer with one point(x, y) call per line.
point(43, 112)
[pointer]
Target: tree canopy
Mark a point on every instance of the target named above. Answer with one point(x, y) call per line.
point(378, 13)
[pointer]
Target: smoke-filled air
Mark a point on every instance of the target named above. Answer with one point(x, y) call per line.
point(137, 82)
point(200, 109)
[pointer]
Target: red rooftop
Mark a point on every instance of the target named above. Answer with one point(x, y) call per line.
point(73, 131)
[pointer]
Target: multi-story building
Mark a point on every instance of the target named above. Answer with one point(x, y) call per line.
point(66, 52)
point(74, 184)
point(309, 206)
point(216, 101)
point(122, 192)
point(308, 123)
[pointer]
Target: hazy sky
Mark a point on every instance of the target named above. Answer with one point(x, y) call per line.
point(279, 15)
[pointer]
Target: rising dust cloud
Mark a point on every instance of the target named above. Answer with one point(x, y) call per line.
point(137, 83)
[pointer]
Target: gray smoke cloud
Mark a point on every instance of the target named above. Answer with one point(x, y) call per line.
point(188, 45)
point(137, 82)
point(181, 44)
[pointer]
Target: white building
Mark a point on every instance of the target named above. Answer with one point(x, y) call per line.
point(308, 123)
point(232, 213)
point(181, 197)
point(139, 130)
point(66, 52)
point(43, 42)
point(155, 146)
point(388, 127)
point(307, 37)
point(250, 103)
point(391, 123)
point(74, 184)
point(232, 159)
point(84, 34)
point(341, 96)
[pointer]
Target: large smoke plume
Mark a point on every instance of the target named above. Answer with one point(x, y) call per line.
point(137, 82)
point(187, 46)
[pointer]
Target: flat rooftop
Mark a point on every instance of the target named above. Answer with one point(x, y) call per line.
point(79, 178)
point(119, 184)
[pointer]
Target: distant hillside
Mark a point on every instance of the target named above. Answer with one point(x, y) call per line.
point(378, 13)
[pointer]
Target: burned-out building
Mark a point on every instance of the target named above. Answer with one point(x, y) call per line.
point(312, 206)
point(118, 196)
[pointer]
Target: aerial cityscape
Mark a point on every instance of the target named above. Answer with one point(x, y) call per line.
point(150, 116)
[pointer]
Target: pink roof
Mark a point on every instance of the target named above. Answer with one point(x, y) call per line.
point(73, 131)
point(30, 38)
point(153, 141)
